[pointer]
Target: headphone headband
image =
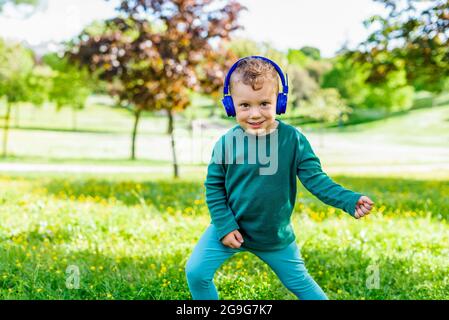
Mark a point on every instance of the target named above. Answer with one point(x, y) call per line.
point(281, 101)
point(278, 69)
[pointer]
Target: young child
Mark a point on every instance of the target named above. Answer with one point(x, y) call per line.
point(251, 208)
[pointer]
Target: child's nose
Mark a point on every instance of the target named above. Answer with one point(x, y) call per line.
point(254, 112)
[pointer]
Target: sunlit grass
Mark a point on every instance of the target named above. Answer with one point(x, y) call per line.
point(131, 238)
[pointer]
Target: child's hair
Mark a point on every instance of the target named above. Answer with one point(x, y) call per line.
point(254, 72)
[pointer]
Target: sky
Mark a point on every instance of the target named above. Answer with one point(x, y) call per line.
point(324, 24)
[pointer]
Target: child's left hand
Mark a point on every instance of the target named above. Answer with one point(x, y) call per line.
point(363, 207)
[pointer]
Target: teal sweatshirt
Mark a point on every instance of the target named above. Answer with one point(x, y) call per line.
point(242, 196)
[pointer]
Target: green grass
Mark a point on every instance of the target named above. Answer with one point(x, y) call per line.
point(130, 239)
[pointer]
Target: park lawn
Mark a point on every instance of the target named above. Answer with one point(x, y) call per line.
point(130, 237)
point(417, 138)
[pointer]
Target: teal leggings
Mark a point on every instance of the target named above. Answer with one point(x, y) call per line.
point(209, 254)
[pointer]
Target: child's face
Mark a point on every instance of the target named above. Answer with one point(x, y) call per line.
point(255, 109)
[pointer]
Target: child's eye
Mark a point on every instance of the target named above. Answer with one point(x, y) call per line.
point(244, 105)
point(265, 104)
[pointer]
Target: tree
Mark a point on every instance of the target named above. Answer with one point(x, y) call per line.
point(71, 86)
point(302, 86)
point(297, 57)
point(326, 105)
point(311, 52)
point(350, 78)
point(414, 35)
point(20, 81)
point(153, 49)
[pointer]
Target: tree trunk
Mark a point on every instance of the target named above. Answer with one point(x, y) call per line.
point(134, 135)
point(212, 112)
point(6, 128)
point(17, 117)
point(74, 114)
point(172, 138)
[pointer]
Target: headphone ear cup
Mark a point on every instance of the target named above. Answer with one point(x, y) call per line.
point(228, 104)
point(281, 103)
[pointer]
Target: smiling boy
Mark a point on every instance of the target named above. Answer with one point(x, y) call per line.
point(252, 211)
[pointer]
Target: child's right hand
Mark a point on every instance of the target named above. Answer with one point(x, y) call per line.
point(233, 239)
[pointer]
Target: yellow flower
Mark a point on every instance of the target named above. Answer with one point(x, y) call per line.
point(92, 268)
point(38, 289)
point(170, 210)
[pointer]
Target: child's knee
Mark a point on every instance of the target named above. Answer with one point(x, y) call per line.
point(194, 272)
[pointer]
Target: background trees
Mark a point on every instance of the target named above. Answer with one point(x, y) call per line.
point(411, 40)
point(151, 52)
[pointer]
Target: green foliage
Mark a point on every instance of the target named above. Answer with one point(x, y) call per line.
point(16, 66)
point(325, 105)
point(410, 36)
point(394, 94)
point(350, 78)
point(311, 52)
point(297, 57)
point(301, 84)
point(71, 85)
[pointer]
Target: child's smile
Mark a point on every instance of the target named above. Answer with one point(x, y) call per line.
point(255, 109)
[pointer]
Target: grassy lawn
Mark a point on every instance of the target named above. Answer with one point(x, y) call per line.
point(420, 137)
point(130, 237)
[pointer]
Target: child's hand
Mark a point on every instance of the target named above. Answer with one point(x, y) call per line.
point(233, 239)
point(363, 207)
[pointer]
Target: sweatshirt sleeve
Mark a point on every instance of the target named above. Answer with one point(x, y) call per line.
point(216, 198)
point(319, 183)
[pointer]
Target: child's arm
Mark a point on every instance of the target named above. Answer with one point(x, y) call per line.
point(222, 216)
point(322, 186)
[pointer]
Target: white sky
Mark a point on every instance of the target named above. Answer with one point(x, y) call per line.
point(325, 24)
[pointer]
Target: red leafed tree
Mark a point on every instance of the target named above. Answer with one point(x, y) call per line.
point(154, 51)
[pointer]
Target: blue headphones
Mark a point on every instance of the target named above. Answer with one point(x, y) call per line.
point(281, 103)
